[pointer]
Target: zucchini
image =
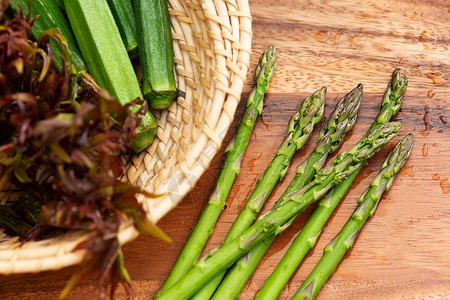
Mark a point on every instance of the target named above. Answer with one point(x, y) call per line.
point(50, 16)
point(155, 51)
point(107, 59)
point(122, 11)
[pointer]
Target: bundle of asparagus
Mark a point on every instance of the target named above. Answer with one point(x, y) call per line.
point(279, 218)
point(247, 244)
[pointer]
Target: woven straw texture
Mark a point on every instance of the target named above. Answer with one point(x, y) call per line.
point(212, 45)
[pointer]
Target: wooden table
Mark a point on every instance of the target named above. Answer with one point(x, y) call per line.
point(402, 253)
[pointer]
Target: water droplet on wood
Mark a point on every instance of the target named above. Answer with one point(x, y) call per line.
point(437, 78)
point(445, 186)
point(425, 149)
point(251, 162)
point(426, 37)
point(410, 171)
point(427, 122)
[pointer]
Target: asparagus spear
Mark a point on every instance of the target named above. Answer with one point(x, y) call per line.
point(331, 136)
point(390, 105)
point(299, 130)
point(279, 218)
point(231, 167)
point(367, 205)
point(392, 101)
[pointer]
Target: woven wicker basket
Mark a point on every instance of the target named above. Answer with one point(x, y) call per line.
point(212, 42)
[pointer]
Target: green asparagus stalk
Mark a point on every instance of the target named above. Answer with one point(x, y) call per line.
point(299, 130)
point(331, 136)
point(367, 204)
point(231, 167)
point(280, 217)
point(392, 101)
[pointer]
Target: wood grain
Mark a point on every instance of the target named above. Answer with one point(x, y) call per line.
point(402, 253)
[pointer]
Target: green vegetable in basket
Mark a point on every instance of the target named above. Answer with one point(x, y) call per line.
point(107, 59)
point(59, 3)
point(155, 51)
point(49, 16)
point(122, 11)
